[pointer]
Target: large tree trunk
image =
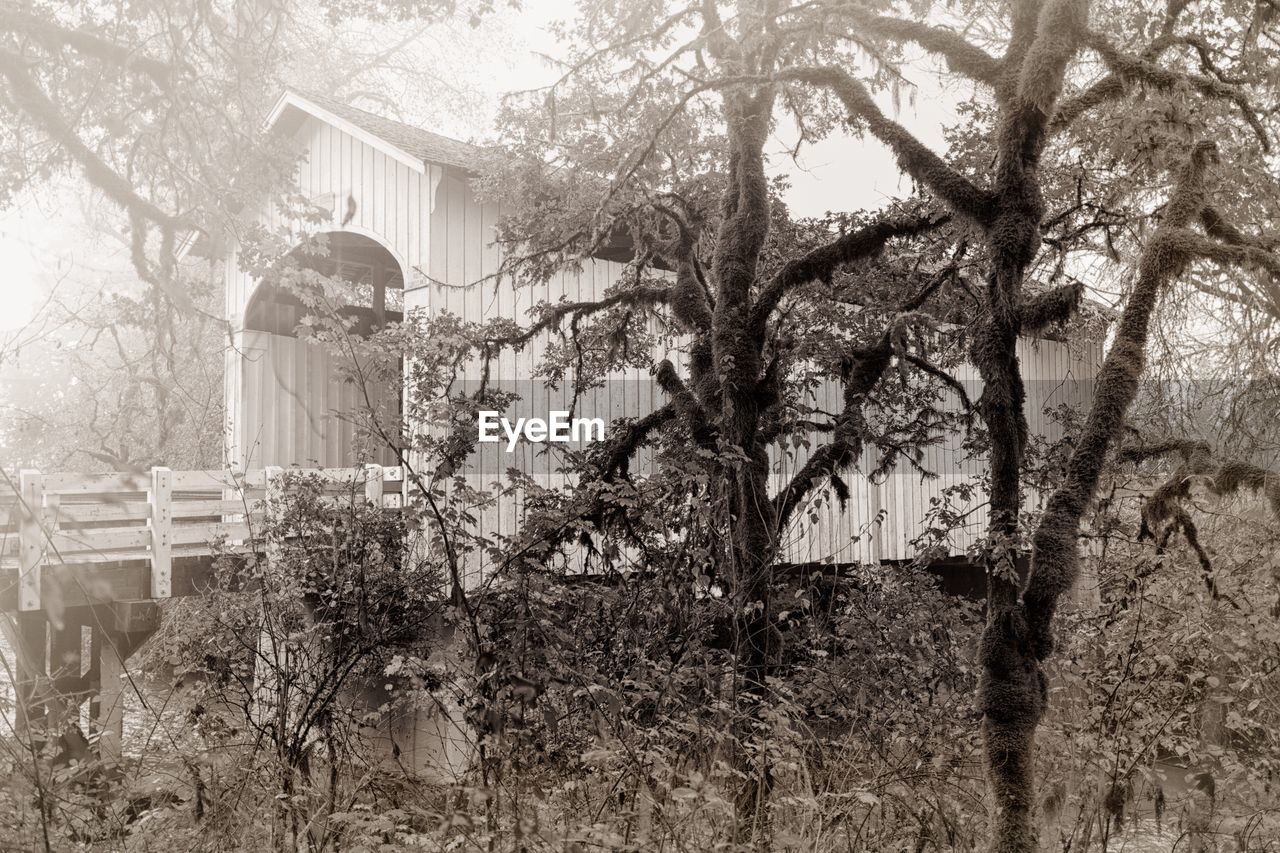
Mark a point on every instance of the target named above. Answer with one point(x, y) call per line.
point(754, 550)
point(738, 367)
point(1019, 637)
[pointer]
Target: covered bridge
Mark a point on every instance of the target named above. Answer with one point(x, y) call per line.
point(406, 232)
point(407, 227)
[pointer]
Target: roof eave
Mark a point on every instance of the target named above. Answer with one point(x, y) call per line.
point(292, 100)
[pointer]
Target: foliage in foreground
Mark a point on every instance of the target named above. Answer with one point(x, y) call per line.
point(605, 717)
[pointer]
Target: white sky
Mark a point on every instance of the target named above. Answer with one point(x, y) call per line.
point(19, 290)
point(41, 235)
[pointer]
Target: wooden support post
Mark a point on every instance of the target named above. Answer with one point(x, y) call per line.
point(65, 662)
point(31, 539)
point(379, 306)
point(1087, 591)
point(29, 648)
point(373, 484)
point(394, 498)
point(108, 710)
point(161, 523)
point(64, 675)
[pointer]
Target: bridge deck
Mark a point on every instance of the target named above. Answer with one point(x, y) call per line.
point(89, 538)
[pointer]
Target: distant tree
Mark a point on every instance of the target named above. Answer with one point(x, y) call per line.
point(159, 104)
point(1064, 160)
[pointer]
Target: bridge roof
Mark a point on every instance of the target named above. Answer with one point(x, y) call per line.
point(411, 145)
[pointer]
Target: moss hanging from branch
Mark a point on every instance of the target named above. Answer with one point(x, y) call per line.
point(1053, 306)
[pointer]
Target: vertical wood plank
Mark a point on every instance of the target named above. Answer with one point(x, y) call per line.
point(161, 523)
point(373, 484)
point(31, 539)
point(344, 172)
point(413, 251)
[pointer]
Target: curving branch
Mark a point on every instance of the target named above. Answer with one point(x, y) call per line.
point(52, 36)
point(1126, 69)
point(924, 366)
point(684, 402)
point(914, 157)
point(821, 263)
point(864, 369)
point(1215, 225)
point(553, 315)
point(37, 106)
point(962, 56)
point(867, 367)
point(628, 442)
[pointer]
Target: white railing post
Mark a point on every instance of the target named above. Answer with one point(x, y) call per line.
point(373, 484)
point(395, 498)
point(273, 500)
point(161, 522)
point(31, 539)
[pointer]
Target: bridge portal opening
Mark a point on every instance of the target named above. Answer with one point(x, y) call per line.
point(368, 286)
point(299, 402)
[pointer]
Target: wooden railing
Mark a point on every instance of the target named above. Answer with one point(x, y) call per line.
point(151, 517)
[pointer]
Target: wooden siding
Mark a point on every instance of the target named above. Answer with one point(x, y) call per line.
point(1055, 375)
point(393, 204)
point(286, 405)
point(292, 406)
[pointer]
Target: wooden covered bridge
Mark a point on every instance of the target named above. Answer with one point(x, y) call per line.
point(94, 554)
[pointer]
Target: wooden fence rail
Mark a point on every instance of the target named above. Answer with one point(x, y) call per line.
point(152, 517)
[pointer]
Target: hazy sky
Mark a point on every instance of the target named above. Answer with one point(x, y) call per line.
point(38, 236)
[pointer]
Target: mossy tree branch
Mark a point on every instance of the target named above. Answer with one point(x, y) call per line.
point(1041, 74)
point(554, 314)
point(961, 55)
point(823, 262)
point(629, 441)
point(35, 104)
point(865, 367)
point(1127, 70)
point(1223, 477)
point(1052, 306)
point(1013, 691)
point(1055, 556)
point(914, 157)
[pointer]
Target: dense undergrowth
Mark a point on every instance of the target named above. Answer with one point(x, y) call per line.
point(603, 715)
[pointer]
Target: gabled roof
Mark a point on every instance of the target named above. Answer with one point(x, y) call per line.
point(408, 144)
